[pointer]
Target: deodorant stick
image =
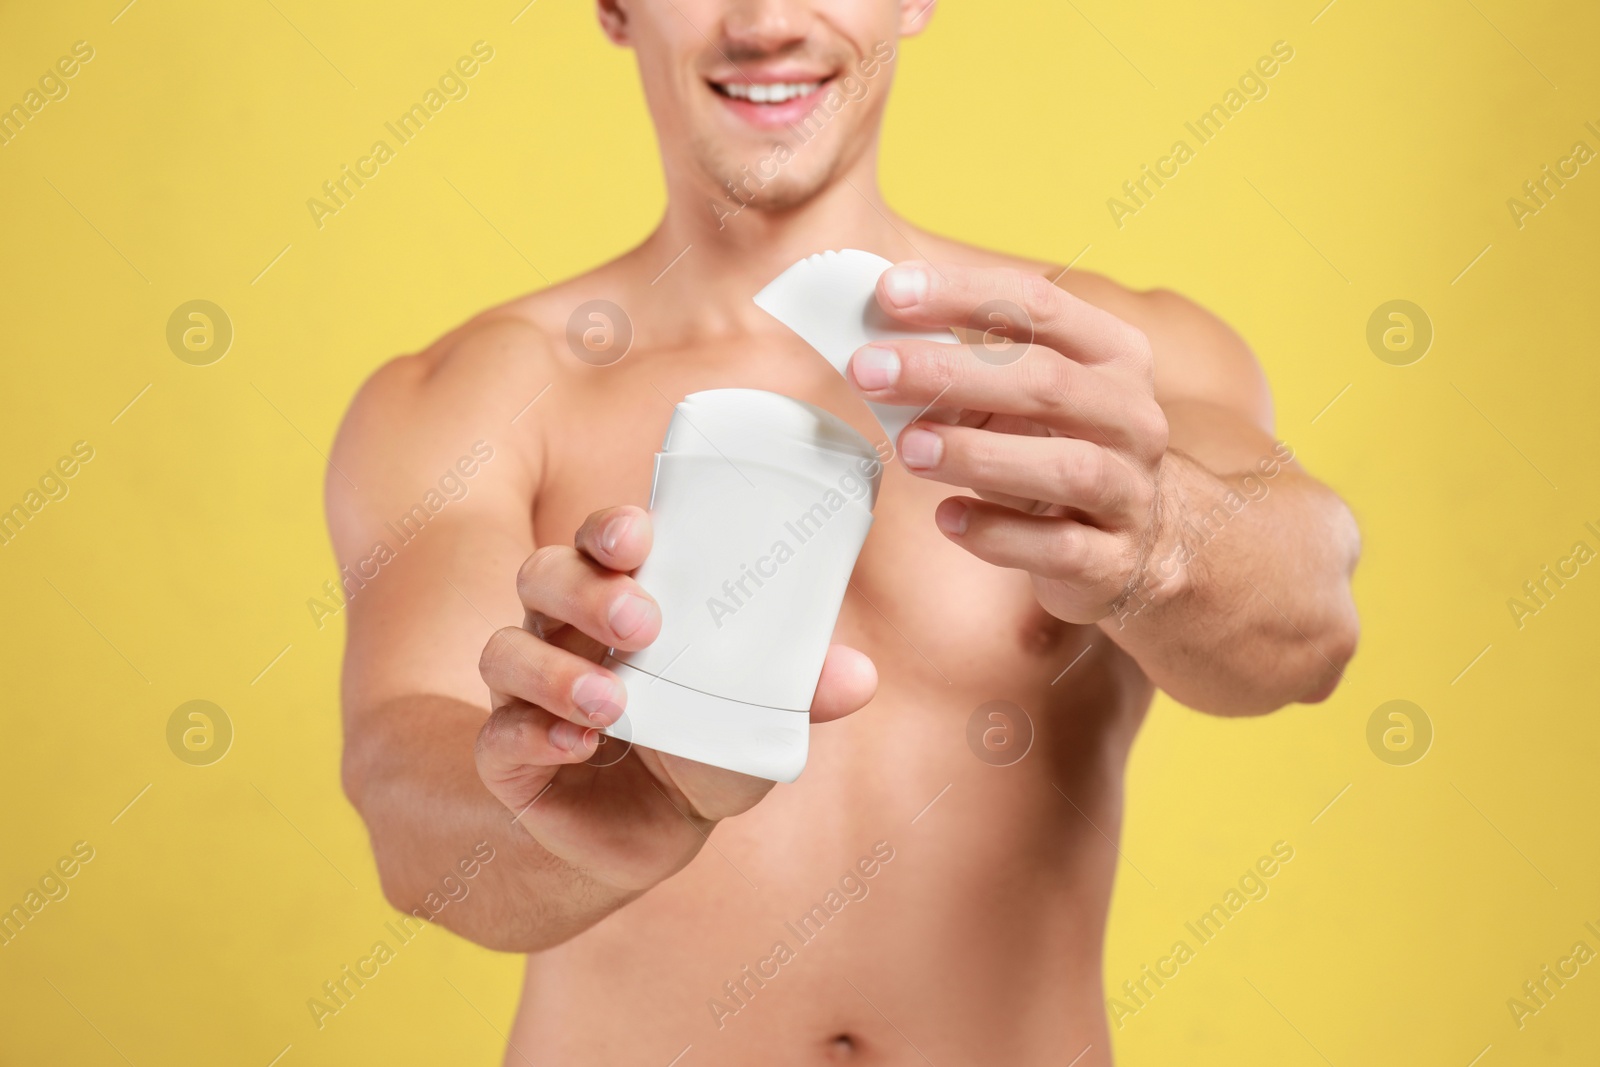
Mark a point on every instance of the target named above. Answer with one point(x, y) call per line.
point(760, 504)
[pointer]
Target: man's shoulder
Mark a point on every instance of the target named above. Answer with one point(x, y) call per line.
point(485, 372)
point(512, 344)
point(460, 380)
point(417, 413)
point(1158, 308)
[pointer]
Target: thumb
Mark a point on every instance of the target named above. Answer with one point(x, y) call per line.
point(848, 681)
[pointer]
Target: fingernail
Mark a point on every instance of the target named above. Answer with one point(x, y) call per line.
point(628, 613)
point(569, 736)
point(921, 449)
point(905, 286)
point(599, 697)
point(875, 367)
point(613, 533)
point(951, 515)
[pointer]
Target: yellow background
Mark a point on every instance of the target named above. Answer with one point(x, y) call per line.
point(179, 566)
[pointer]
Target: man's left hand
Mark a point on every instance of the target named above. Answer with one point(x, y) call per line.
point(1049, 416)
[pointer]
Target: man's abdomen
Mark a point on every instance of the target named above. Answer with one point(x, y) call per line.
point(906, 901)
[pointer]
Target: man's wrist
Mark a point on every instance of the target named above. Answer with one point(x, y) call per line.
point(1164, 572)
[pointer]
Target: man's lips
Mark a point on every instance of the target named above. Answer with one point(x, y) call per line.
point(769, 102)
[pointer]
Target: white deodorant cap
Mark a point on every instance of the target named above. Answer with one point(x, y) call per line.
point(830, 300)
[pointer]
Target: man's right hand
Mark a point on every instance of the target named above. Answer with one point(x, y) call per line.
point(633, 821)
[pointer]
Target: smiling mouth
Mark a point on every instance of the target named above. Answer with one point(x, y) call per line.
point(767, 92)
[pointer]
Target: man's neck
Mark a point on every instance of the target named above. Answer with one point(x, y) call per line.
point(708, 258)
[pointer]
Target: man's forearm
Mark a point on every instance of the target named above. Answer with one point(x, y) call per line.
point(408, 769)
point(1243, 604)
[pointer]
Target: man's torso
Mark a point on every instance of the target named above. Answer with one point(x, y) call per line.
point(976, 935)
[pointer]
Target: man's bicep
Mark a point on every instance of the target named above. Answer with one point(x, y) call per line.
point(429, 507)
point(419, 624)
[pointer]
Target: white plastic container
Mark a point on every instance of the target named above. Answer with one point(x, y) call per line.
point(760, 505)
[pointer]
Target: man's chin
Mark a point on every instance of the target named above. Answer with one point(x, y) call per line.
point(768, 185)
point(777, 201)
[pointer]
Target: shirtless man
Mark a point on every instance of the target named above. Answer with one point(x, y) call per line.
point(1111, 499)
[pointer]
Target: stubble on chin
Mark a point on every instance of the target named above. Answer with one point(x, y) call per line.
point(739, 180)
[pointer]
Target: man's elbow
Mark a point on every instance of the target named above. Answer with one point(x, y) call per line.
point(353, 775)
point(1334, 651)
point(356, 765)
point(1308, 663)
point(1339, 631)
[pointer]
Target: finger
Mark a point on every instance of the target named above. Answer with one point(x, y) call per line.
point(1057, 470)
point(572, 640)
point(1039, 385)
point(559, 584)
point(617, 538)
point(849, 679)
point(1006, 424)
point(516, 665)
point(1046, 546)
point(1010, 303)
point(520, 748)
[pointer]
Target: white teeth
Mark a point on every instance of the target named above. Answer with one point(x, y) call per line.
point(772, 93)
